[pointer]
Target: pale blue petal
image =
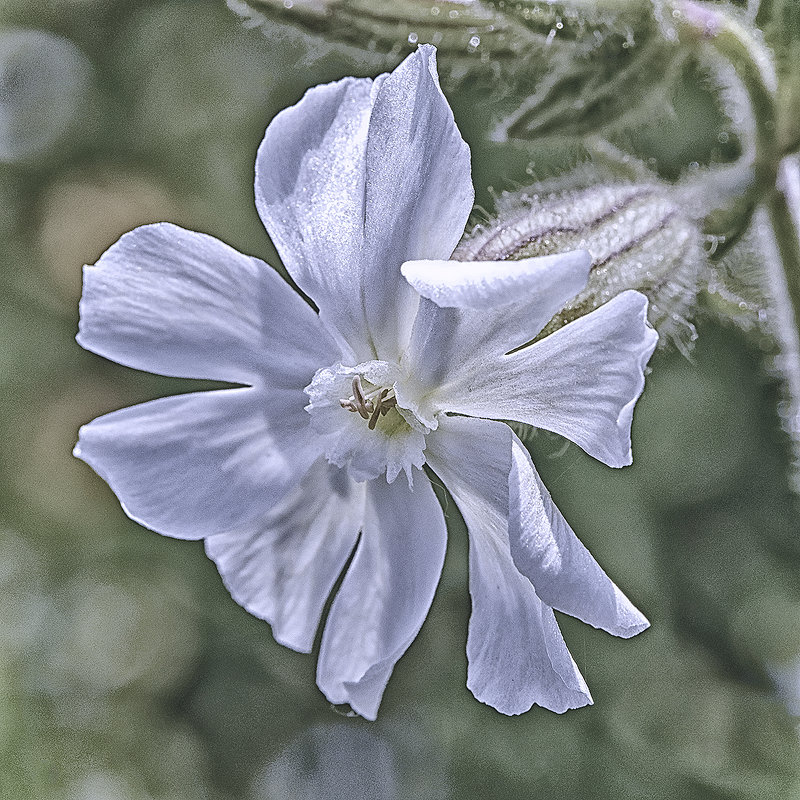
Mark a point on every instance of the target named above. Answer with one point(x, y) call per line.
point(546, 550)
point(517, 656)
point(197, 464)
point(581, 381)
point(451, 345)
point(419, 187)
point(492, 284)
point(355, 179)
point(310, 176)
point(283, 567)
point(179, 303)
point(385, 595)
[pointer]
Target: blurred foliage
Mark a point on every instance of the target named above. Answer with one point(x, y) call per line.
point(127, 672)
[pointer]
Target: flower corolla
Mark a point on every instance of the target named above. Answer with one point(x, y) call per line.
point(412, 359)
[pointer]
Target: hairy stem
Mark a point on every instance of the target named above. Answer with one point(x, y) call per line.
point(784, 212)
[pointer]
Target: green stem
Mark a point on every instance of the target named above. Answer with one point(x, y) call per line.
point(735, 42)
point(784, 212)
point(782, 270)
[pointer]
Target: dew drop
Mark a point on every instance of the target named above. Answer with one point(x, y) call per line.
point(474, 42)
point(413, 38)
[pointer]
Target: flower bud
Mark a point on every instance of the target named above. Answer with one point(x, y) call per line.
point(468, 32)
point(396, 27)
point(638, 235)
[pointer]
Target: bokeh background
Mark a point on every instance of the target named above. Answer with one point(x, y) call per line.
point(128, 673)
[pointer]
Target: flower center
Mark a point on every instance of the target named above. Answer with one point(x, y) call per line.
point(369, 406)
point(392, 441)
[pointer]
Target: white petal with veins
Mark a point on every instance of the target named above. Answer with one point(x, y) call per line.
point(385, 595)
point(581, 381)
point(449, 345)
point(283, 567)
point(493, 284)
point(546, 550)
point(184, 304)
point(517, 656)
point(197, 464)
point(357, 178)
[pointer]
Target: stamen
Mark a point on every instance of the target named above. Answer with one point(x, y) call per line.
point(373, 420)
point(369, 406)
point(359, 398)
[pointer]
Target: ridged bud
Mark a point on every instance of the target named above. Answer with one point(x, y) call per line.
point(470, 32)
point(551, 68)
point(396, 27)
point(638, 234)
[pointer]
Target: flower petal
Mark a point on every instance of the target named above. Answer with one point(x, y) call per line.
point(385, 595)
point(517, 656)
point(546, 550)
point(355, 179)
point(452, 345)
point(179, 303)
point(581, 381)
point(310, 176)
point(489, 284)
point(419, 187)
point(283, 568)
point(203, 463)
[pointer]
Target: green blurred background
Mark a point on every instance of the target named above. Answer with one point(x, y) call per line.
point(128, 673)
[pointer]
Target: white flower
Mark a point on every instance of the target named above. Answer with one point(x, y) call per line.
point(403, 366)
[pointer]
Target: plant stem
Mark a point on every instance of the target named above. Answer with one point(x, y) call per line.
point(782, 269)
point(784, 212)
point(753, 63)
